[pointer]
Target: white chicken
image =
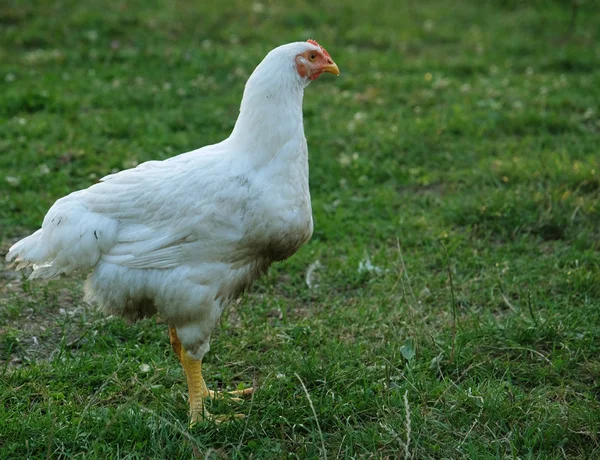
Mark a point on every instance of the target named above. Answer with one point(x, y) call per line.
point(182, 238)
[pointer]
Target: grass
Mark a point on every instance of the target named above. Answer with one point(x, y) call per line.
point(456, 158)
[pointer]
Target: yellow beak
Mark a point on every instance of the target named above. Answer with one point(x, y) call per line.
point(332, 68)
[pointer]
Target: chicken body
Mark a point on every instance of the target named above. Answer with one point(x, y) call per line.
point(184, 237)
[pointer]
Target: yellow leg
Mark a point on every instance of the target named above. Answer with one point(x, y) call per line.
point(197, 390)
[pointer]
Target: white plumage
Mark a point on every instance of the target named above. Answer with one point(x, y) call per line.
point(185, 236)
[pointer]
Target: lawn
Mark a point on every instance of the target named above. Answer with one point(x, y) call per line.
point(448, 304)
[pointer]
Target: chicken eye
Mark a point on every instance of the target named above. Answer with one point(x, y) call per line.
point(312, 56)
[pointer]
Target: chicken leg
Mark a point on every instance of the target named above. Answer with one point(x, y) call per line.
point(197, 390)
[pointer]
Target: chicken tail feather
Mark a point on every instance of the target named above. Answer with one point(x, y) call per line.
point(71, 239)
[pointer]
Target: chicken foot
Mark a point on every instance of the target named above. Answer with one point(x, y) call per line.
point(197, 390)
point(233, 395)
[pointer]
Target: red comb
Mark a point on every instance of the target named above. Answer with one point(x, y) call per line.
point(314, 42)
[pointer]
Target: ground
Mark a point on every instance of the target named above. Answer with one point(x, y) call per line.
point(448, 305)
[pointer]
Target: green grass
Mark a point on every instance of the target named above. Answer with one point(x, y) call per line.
point(458, 151)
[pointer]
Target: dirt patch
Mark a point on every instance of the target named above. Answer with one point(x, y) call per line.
point(41, 317)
